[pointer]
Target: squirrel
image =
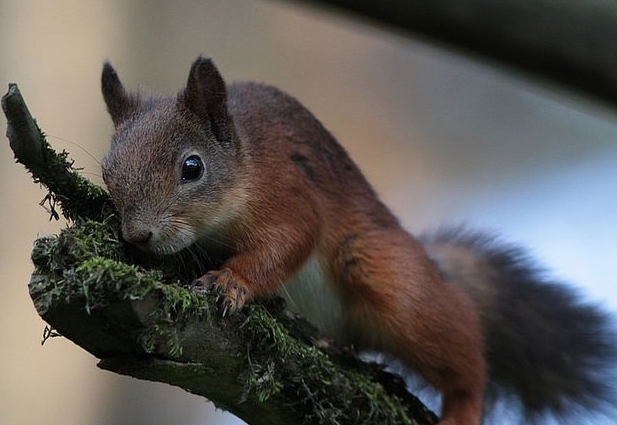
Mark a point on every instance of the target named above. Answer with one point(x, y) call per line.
point(244, 170)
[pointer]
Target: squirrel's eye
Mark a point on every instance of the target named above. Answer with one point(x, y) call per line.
point(192, 169)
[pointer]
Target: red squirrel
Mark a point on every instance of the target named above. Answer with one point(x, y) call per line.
point(246, 171)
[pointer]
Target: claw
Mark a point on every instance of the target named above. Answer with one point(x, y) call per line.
point(225, 287)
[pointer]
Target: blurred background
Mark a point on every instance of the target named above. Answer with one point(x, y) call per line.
point(443, 138)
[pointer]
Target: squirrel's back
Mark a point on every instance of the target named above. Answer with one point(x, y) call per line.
point(284, 140)
point(275, 126)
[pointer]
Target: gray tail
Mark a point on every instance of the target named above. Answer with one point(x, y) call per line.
point(546, 347)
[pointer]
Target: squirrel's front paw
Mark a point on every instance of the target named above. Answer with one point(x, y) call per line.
point(226, 284)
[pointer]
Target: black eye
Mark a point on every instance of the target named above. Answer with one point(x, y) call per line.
point(192, 169)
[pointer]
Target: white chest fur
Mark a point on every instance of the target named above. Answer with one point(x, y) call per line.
point(312, 294)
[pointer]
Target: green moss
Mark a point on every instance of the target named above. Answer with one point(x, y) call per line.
point(178, 306)
point(280, 363)
point(84, 262)
point(75, 244)
point(76, 195)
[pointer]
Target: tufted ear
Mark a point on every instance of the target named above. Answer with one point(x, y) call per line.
point(206, 96)
point(120, 104)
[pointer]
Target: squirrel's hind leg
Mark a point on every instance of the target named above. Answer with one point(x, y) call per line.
point(397, 303)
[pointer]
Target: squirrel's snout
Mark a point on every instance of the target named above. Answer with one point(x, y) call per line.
point(141, 238)
point(138, 236)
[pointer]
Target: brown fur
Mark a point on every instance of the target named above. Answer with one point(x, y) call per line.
point(278, 189)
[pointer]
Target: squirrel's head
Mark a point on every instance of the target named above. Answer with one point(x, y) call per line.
point(174, 163)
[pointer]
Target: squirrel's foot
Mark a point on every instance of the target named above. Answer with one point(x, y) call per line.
point(226, 284)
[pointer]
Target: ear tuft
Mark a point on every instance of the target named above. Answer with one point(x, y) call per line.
point(206, 96)
point(120, 105)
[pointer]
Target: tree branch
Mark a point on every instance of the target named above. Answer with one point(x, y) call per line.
point(263, 364)
point(76, 195)
point(572, 43)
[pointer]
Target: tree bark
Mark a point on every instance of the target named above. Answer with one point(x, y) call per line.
point(263, 364)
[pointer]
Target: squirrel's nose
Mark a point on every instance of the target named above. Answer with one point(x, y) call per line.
point(139, 237)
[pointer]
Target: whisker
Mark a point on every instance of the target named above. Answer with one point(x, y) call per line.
point(91, 174)
point(76, 145)
point(178, 257)
point(200, 268)
point(219, 239)
point(289, 297)
point(202, 250)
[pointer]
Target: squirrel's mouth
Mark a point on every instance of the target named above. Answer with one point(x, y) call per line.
point(171, 245)
point(169, 240)
point(167, 236)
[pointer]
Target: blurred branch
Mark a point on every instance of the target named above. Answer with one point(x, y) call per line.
point(263, 364)
point(573, 42)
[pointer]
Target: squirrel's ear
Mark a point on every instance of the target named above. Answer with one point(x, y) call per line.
point(120, 104)
point(206, 96)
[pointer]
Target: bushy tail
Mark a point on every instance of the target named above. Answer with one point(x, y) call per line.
point(545, 346)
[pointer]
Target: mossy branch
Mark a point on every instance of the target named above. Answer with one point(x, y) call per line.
point(263, 364)
point(76, 196)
